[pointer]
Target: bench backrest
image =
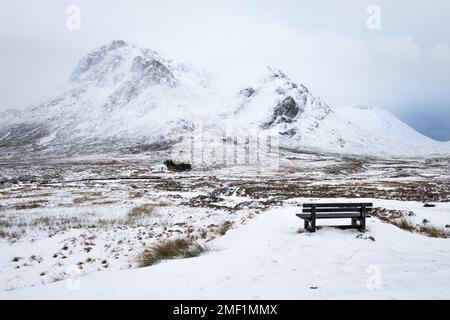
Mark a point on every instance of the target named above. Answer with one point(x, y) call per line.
point(337, 207)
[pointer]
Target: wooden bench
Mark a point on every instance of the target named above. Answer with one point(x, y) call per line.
point(355, 211)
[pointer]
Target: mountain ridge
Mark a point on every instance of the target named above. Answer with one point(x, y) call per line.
point(123, 94)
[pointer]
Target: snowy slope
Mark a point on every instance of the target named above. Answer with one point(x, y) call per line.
point(119, 92)
point(123, 95)
point(306, 122)
point(386, 126)
point(267, 259)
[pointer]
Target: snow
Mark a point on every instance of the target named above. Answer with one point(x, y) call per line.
point(128, 94)
point(123, 95)
point(266, 258)
point(390, 130)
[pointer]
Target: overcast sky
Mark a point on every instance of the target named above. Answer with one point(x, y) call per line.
point(404, 66)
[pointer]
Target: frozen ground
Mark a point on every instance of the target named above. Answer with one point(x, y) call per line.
point(266, 258)
point(64, 217)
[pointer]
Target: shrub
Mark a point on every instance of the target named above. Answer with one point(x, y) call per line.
point(177, 166)
point(171, 249)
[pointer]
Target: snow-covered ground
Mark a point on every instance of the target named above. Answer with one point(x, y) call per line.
point(69, 220)
point(266, 258)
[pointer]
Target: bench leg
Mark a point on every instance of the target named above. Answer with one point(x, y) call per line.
point(354, 223)
point(362, 223)
point(306, 224)
point(313, 218)
point(313, 225)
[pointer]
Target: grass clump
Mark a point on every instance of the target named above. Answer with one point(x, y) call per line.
point(142, 211)
point(26, 206)
point(425, 229)
point(223, 229)
point(171, 249)
point(104, 202)
point(87, 197)
point(136, 194)
point(9, 235)
point(5, 223)
point(404, 224)
point(83, 199)
point(203, 233)
point(434, 232)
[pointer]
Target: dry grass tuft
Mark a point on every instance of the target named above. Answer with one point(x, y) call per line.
point(9, 235)
point(5, 223)
point(142, 211)
point(203, 233)
point(224, 227)
point(136, 194)
point(29, 205)
point(404, 224)
point(104, 202)
point(87, 196)
point(83, 199)
point(171, 249)
point(434, 232)
point(398, 219)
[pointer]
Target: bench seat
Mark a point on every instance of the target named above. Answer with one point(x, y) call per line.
point(329, 215)
point(355, 211)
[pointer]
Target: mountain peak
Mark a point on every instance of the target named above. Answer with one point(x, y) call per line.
point(128, 93)
point(116, 44)
point(275, 73)
point(121, 62)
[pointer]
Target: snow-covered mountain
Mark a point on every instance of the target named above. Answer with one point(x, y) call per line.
point(125, 95)
point(387, 128)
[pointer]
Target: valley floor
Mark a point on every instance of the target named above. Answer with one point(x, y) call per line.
point(77, 228)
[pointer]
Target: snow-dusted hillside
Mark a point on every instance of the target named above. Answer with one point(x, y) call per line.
point(387, 128)
point(123, 95)
point(306, 122)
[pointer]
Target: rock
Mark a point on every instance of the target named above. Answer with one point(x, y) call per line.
point(284, 112)
point(290, 133)
point(247, 92)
